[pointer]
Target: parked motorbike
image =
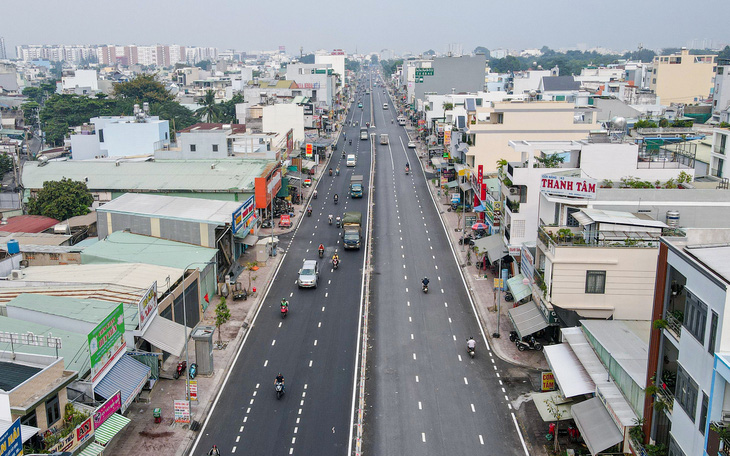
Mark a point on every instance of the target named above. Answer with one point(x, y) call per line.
point(508, 296)
point(284, 311)
point(193, 370)
point(527, 343)
point(469, 239)
point(180, 370)
point(266, 224)
point(279, 387)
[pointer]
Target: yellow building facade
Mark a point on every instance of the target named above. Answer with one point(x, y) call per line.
point(682, 78)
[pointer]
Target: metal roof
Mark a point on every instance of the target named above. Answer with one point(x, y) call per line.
point(714, 257)
point(88, 310)
point(624, 346)
point(163, 175)
point(135, 275)
point(15, 374)
point(103, 292)
point(173, 207)
point(74, 347)
point(559, 83)
point(122, 247)
point(28, 223)
point(588, 216)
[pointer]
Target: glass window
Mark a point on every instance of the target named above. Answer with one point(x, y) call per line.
point(571, 220)
point(713, 334)
point(30, 419)
point(695, 318)
point(192, 147)
point(215, 147)
point(101, 135)
point(686, 392)
point(53, 410)
point(596, 282)
point(674, 449)
point(703, 413)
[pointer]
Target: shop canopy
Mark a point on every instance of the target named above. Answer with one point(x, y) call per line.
point(166, 335)
point(492, 246)
point(595, 425)
point(518, 288)
point(561, 404)
point(128, 376)
point(452, 184)
point(284, 190)
point(570, 375)
point(527, 319)
point(26, 432)
point(111, 427)
point(250, 239)
point(94, 449)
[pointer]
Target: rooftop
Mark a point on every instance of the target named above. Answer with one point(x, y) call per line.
point(107, 292)
point(559, 83)
point(173, 207)
point(123, 247)
point(627, 348)
point(28, 223)
point(227, 175)
point(231, 128)
point(88, 310)
point(15, 374)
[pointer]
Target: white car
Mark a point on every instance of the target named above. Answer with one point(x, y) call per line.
point(411, 145)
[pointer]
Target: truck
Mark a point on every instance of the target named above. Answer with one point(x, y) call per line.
point(356, 186)
point(364, 133)
point(384, 138)
point(352, 229)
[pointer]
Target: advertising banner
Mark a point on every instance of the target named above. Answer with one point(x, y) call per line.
point(84, 431)
point(579, 187)
point(193, 390)
point(107, 409)
point(182, 411)
point(147, 307)
point(548, 381)
point(106, 343)
point(242, 216)
point(11, 443)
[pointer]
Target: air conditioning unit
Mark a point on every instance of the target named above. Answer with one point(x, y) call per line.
point(514, 190)
point(16, 274)
point(726, 416)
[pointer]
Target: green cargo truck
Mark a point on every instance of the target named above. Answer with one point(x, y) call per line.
point(356, 186)
point(352, 234)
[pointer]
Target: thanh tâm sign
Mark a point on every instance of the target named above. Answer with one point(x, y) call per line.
point(577, 187)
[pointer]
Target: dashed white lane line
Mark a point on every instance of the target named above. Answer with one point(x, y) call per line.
point(454, 336)
point(280, 323)
point(459, 357)
point(322, 308)
point(240, 430)
point(273, 342)
point(266, 363)
point(315, 342)
point(410, 320)
point(292, 293)
point(423, 437)
point(466, 382)
point(442, 291)
point(326, 294)
point(406, 289)
point(481, 439)
point(411, 336)
point(446, 304)
point(414, 356)
point(473, 409)
point(449, 319)
point(233, 450)
point(420, 406)
point(245, 418)
point(310, 363)
point(319, 325)
point(416, 378)
point(408, 303)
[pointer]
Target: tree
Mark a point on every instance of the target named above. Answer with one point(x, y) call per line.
point(61, 200)
point(430, 52)
point(30, 113)
point(374, 59)
point(481, 50)
point(222, 315)
point(143, 88)
point(309, 58)
point(644, 55)
point(204, 65)
point(208, 109)
point(179, 116)
point(352, 65)
point(645, 124)
point(35, 94)
point(557, 413)
point(725, 53)
point(447, 106)
point(505, 65)
point(6, 164)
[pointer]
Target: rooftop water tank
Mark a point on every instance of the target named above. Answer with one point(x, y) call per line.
point(673, 218)
point(13, 247)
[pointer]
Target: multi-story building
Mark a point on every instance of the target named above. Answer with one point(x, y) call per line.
point(688, 346)
point(721, 92)
point(336, 59)
point(317, 78)
point(719, 154)
point(683, 77)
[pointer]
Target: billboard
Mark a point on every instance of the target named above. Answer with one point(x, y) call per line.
point(577, 187)
point(106, 343)
point(243, 214)
point(11, 443)
point(147, 306)
point(107, 409)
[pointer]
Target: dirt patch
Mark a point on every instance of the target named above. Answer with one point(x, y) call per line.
point(156, 435)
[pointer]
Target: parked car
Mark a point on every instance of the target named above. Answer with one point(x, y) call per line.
point(285, 221)
point(411, 145)
point(308, 275)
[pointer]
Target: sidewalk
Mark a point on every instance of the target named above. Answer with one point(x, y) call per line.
point(142, 435)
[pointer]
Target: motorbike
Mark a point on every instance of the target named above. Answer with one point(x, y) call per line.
point(321, 253)
point(330, 171)
point(180, 370)
point(266, 224)
point(335, 263)
point(408, 170)
point(350, 141)
point(309, 212)
point(314, 195)
point(508, 296)
point(193, 370)
point(337, 172)
point(522, 344)
point(279, 386)
point(425, 288)
point(470, 350)
point(284, 311)
point(336, 200)
point(468, 239)
point(339, 222)
point(330, 220)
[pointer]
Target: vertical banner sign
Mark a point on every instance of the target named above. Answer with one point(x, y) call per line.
point(107, 409)
point(11, 444)
point(193, 390)
point(182, 411)
point(309, 151)
point(548, 381)
point(243, 216)
point(106, 342)
point(147, 307)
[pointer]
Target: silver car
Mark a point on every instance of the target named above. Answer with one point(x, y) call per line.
point(308, 275)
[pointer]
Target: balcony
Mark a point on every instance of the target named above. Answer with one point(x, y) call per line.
point(674, 323)
point(513, 206)
point(569, 236)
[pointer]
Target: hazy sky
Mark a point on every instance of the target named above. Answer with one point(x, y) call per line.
point(368, 25)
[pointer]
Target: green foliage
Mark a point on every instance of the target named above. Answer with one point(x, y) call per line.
point(682, 123)
point(390, 66)
point(30, 112)
point(61, 200)
point(656, 450)
point(632, 182)
point(481, 50)
point(144, 87)
point(208, 110)
point(724, 125)
point(684, 178)
point(430, 52)
point(222, 315)
point(179, 116)
point(659, 324)
point(62, 111)
point(505, 65)
point(645, 124)
point(227, 109)
point(607, 183)
point(644, 55)
point(663, 123)
point(204, 65)
point(6, 164)
point(448, 106)
point(309, 58)
point(551, 161)
point(352, 65)
point(34, 94)
point(374, 59)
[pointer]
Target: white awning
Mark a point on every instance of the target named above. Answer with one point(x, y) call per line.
point(527, 319)
point(250, 239)
point(518, 288)
point(26, 432)
point(465, 186)
point(309, 164)
point(595, 425)
point(562, 405)
point(166, 335)
point(493, 246)
point(570, 375)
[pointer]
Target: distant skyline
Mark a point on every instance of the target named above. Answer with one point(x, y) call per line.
point(371, 25)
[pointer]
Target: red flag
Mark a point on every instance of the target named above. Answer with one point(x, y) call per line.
point(206, 298)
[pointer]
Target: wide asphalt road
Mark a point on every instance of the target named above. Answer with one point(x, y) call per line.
point(425, 395)
point(314, 347)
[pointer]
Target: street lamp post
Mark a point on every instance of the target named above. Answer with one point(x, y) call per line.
point(185, 331)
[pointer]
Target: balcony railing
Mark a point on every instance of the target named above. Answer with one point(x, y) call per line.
point(567, 236)
point(514, 206)
point(666, 396)
point(674, 325)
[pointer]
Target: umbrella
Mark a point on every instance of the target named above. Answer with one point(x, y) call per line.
point(479, 226)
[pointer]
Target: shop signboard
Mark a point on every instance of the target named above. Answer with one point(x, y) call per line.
point(11, 442)
point(182, 411)
point(242, 216)
point(147, 307)
point(193, 390)
point(527, 263)
point(548, 381)
point(106, 343)
point(84, 431)
point(577, 187)
point(107, 409)
point(498, 284)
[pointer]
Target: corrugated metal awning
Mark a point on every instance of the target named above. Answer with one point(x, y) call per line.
point(596, 425)
point(518, 288)
point(570, 375)
point(93, 449)
point(26, 432)
point(465, 186)
point(542, 400)
point(493, 246)
point(128, 376)
point(166, 335)
point(527, 319)
point(111, 427)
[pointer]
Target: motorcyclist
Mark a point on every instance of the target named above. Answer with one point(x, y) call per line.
point(214, 451)
point(337, 198)
point(425, 282)
point(279, 379)
point(321, 249)
point(335, 257)
point(338, 221)
point(337, 171)
point(331, 169)
point(471, 343)
point(330, 219)
point(284, 303)
point(309, 210)
point(315, 194)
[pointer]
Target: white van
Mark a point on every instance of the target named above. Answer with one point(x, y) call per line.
point(351, 160)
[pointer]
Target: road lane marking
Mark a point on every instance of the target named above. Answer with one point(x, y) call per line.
point(233, 450)
point(319, 325)
point(241, 430)
point(466, 382)
point(315, 342)
point(439, 277)
point(310, 363)
point(322, 308)
point(442, 291)
point(449, 319)
point(416, 378)
point(454, 337)
point(245, 418)
point(459, 357)
point(446, 304)
point(420, 406)
point(411, 336)
point(266, 363)
point(280, 323)
point(435, 266)
point(481, 439)
point(273, 342)
point(409, 303)
point(254, 394)
point(473, 409)
point(414, 356)
point(292, 293)
point(248, 410)
point(406, 289)
point(423, 437)
point(409, 319)
point(301, 403)
point(326, 294)
point(251, 402)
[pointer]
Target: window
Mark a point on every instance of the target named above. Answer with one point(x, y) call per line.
point(479, 101)
point(653, 81)
point(713, 334)
point(720, 70)
point(703, 413)
point(695, 317)
point(674, 449)
point(571, 220)
point(101, 135)
point(686, 392)
point(30, 419)
point(53, 411)
point(596, 282)
point(215, 147)
point(192, 147)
